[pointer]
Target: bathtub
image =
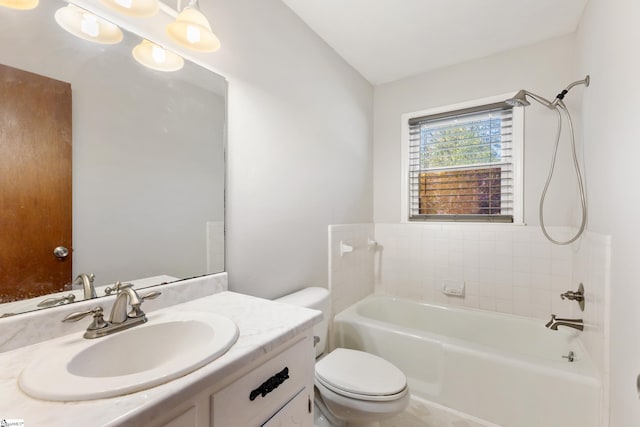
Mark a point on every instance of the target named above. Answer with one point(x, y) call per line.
point(504, 369)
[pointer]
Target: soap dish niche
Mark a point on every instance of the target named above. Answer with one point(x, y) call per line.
point(453, 288)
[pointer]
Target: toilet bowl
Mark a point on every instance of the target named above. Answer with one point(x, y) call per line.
point(353, 388)
point(360, 388)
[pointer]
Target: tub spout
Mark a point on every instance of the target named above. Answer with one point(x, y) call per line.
point(571, 323)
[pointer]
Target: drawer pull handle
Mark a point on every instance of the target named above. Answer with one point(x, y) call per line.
point(269, 385)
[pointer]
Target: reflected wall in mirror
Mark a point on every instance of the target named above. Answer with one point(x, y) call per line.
point(147, 162)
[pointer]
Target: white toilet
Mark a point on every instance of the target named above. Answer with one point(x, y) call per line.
point(353, 388)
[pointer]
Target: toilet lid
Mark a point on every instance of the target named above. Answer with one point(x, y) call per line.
point(357, 372)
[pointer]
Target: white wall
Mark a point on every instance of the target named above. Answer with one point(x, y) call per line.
point(299, 149)
point(544, 68)
point(607, 44)
point(148, 168)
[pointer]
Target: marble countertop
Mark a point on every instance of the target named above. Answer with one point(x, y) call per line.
point(263, 325)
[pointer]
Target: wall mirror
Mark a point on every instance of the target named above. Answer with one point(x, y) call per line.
point(146, 165)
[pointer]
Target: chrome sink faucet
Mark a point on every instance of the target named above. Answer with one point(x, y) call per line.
point(119, 319)
point(86, 280)
point(571, 323)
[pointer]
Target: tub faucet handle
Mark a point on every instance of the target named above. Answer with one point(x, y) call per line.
point(575, 296)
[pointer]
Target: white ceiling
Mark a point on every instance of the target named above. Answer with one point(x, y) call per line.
point(387, 40)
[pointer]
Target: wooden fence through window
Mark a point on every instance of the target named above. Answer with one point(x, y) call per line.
point(460, 192)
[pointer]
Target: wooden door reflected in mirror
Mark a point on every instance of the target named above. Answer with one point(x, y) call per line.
point(35, 166)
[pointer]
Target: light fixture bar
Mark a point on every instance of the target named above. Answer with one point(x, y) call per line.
point(135, 8)
point(167, 10)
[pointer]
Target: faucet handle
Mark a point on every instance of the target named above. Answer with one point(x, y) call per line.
point(117, 287)
point(136, 311)
point(151, 295)
point(98, 319)
point(50, 302)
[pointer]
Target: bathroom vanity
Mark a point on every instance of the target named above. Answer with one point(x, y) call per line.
point(265, 378)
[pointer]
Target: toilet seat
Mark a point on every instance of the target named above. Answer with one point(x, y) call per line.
point(360, 375)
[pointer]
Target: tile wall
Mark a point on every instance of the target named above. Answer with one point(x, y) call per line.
point(351, 274)
point(505, 268)
point(591, 266)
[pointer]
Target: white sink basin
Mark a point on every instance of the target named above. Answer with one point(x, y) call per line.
point(168, 346)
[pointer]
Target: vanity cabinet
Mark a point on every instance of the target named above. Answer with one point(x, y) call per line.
point(275, 390)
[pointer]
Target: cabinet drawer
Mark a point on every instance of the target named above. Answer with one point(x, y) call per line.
point(242, 403)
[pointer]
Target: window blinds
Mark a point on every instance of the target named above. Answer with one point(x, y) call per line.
point(461, 165)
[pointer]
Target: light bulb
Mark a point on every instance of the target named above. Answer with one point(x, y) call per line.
point(89, 25)
point(159, 54)
point(193, 34)
point(192, 30)
point(156, 57)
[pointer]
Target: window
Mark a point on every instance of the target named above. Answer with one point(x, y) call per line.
point(463, 164)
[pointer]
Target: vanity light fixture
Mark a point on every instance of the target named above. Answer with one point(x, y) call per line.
point(136, 8)
point(20, 4)
point(87, 26)
point(191, 29)
point(156, 57)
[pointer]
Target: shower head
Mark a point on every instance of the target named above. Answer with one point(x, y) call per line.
point(519, 100)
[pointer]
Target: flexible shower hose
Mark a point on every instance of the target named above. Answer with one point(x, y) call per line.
point(583, 199)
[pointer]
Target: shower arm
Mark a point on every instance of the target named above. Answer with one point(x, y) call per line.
point(558, 99)
point(540, 99)
point(566, 90)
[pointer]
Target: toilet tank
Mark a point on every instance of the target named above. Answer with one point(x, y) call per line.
point(318, 299)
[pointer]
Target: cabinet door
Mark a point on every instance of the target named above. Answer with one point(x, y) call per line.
point(241, 404)
point(298, 412)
